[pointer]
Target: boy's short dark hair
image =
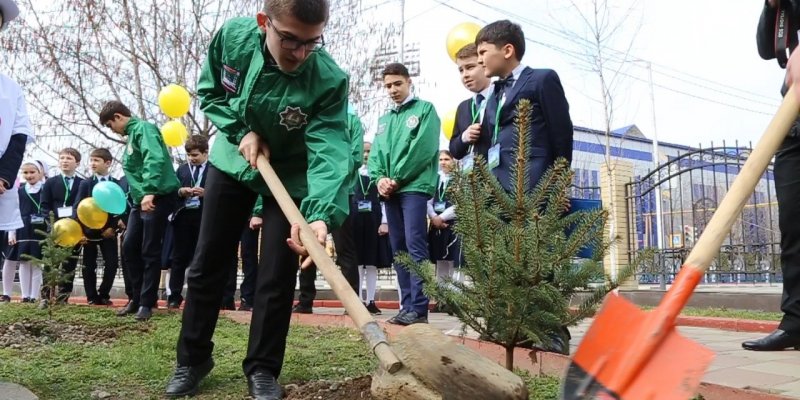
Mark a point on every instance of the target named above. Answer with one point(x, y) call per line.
point(196, 142)
point(102, 153)
point(468, 51)
point(501, 33)
point(113, 107)
point(395, 69)
point(73, 152)
point(310, 12)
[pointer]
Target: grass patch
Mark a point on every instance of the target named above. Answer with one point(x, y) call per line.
point(138, 364)
point(732, 313)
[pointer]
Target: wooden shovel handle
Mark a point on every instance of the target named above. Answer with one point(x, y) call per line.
point(355, 308)
point(707, 246)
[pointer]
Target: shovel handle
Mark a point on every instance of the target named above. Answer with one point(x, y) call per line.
point(355, 309)
point(707, 246)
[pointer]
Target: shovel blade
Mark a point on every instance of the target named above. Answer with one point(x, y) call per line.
point(671, 372)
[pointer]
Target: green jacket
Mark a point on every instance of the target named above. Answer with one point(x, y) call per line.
point(147, 162)
point(406, 147)
point(356, 130)
point(300, 115)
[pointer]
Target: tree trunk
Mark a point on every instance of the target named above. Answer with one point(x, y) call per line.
point(510, 358)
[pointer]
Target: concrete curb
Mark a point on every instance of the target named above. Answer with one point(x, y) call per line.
point(535, 362)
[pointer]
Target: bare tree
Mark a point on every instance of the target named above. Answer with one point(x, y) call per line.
point(71, 56)
point(598, 34)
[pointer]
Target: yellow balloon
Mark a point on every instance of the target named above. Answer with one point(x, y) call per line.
point(68, 232)
point(460, 36)
point(90, 214)
point(174, 101)
point(448, 123)
point(174, 133)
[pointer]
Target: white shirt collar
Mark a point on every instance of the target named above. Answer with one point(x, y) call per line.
point(407, 100)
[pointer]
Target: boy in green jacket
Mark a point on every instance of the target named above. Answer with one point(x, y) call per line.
point(403, 162)
point(268, 87)
point(153, 187)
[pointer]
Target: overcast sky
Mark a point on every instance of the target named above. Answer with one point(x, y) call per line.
point(710, 83)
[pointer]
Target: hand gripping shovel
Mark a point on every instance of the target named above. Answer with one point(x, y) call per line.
point(634, 355)
point(433, 366)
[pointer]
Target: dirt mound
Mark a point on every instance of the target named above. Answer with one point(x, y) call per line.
point(347, 389)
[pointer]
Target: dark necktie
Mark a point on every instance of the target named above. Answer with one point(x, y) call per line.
point(196, 174)
point(478, 100)
point(68, 180)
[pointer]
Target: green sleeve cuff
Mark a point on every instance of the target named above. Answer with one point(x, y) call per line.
point(320, 217)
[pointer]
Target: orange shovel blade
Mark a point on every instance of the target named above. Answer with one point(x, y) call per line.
point(672, 372)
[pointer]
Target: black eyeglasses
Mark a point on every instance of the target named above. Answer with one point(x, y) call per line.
point(288, 43)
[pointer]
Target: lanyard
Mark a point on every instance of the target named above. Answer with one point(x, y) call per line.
point(476, 111)
point(38, 205)
point(500, 102)
point(444, 184)
point(66, 189)
point(361, 183)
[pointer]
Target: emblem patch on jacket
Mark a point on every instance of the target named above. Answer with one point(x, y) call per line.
point(412, 122)
point(230, 79)
point(381, 129)
point(293, 118)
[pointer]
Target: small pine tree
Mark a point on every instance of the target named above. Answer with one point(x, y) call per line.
point(519, 252)
point(52, 264)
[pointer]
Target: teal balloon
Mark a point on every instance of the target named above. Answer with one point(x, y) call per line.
point(109, 197)
point(350, 109)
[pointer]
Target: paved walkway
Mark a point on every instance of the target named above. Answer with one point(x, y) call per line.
point(772, 372)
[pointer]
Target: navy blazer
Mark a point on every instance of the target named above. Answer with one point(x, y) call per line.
point(551, 127)
point(54, 195)
point(458, 148)
point(184, 174)
point(84, 191)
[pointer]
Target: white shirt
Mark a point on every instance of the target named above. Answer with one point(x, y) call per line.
point(13, 113)
point(199, 174)
point(516, 72)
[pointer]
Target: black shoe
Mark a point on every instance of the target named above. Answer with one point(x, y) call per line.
point(27, 300)
point(394, 320)
point(174, 305)
point(228, 305)
point(129, 308)
point(302, 309)
point(412, 317)
point(775, 341)
point(554, 343)
point(373, 309)
point(92, 301)
point(5, 299)
point(262, 386)
point(185, 380)
point(62, 299)
point(143, 314)
point(245, 306)
point(104, 302)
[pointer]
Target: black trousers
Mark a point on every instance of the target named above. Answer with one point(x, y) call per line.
point(143, 246)
point(227, 207)
point(248, 251)
point(108, 248)
point(787, 188)
point(346, 258)
point(126, 273)
point(186, 229)
point(68, 267)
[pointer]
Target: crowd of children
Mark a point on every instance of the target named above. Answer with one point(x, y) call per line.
point(399, 199)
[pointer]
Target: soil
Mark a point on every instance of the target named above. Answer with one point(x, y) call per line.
point(31, 334)
point(348, 389)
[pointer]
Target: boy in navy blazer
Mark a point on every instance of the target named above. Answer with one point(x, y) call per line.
point(466, 138)
point(59, 195)
point(186, 220)
point(104, 239)
point(501, 46)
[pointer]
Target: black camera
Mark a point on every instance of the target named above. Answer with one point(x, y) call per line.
point(777, 30)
